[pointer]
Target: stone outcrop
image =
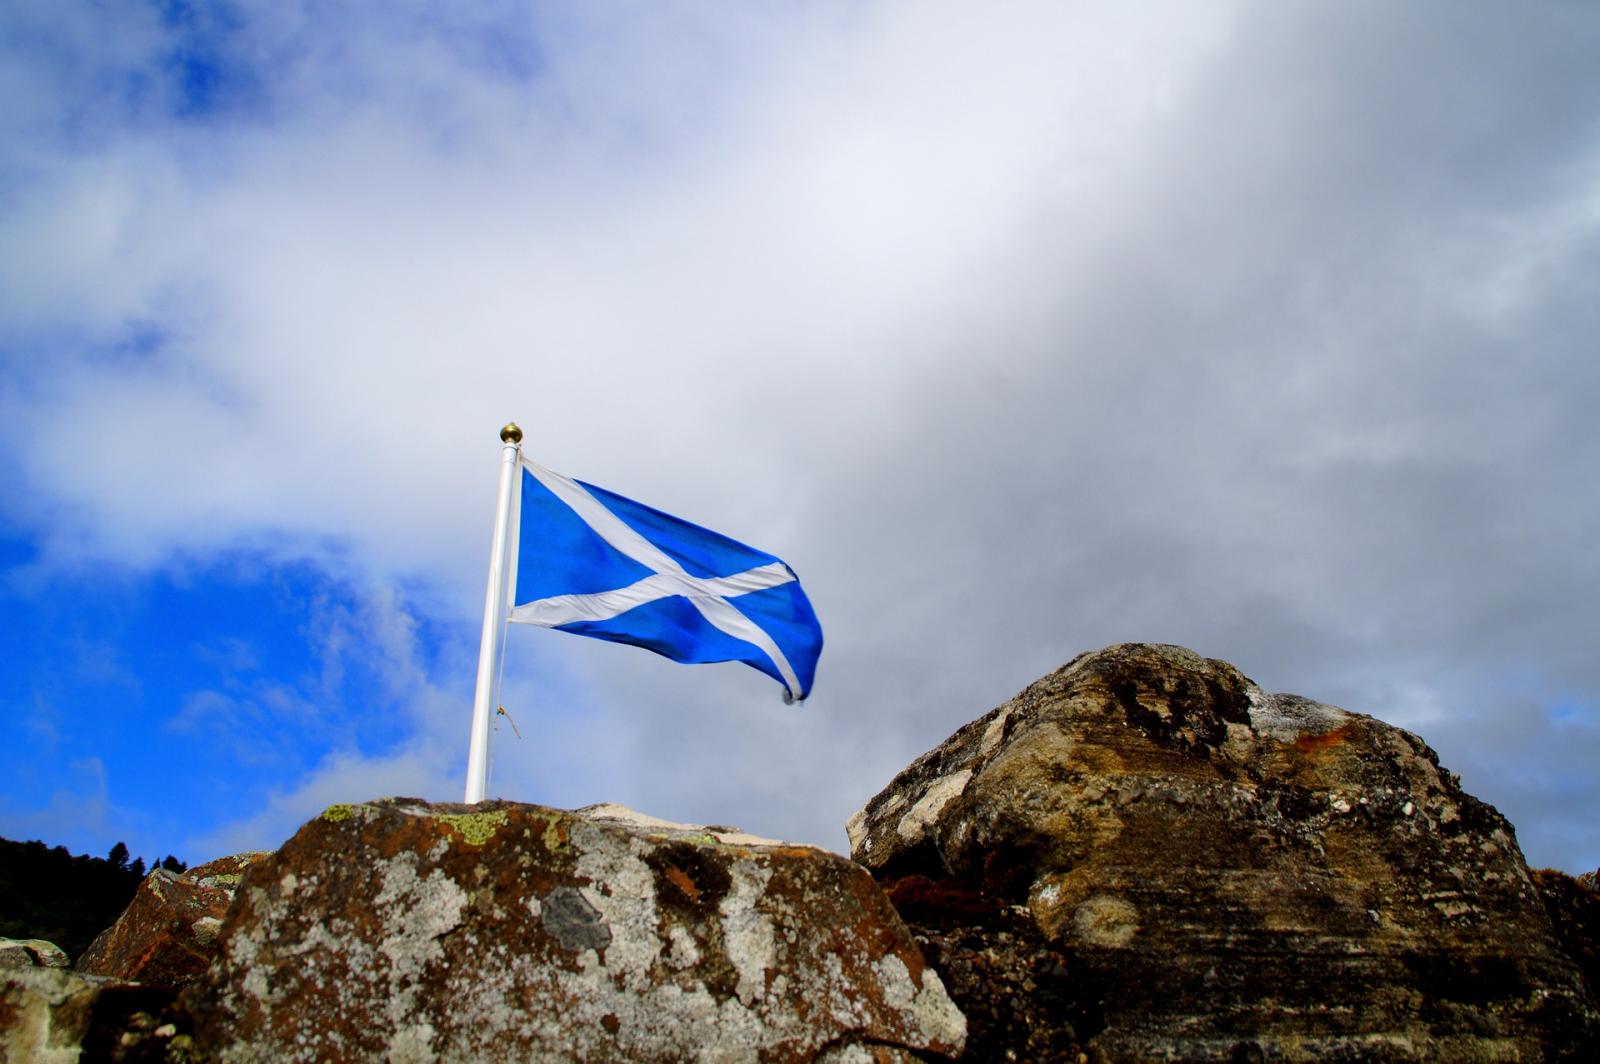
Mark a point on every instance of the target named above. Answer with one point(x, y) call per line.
point(31, 953)
point(168, 934)
point(1159, 860)
point(402, 931)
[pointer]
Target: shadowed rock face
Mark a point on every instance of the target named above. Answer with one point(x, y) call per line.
point(1574, 909)
point(55, 1016)
point(167, 936)
point(399, 930)
point(1173, 864)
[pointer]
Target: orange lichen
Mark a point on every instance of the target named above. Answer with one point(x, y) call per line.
point(1310, 744)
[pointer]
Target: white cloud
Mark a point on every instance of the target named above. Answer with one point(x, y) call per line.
point(342, 778)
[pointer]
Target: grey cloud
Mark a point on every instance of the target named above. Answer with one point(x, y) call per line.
point(1321, 405)
point(1266, 330)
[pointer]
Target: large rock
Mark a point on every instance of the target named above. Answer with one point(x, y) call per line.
point(1169, 863)
point(403, 931)
point(168, 933)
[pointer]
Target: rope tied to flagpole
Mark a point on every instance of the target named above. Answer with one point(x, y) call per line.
point(515, 730)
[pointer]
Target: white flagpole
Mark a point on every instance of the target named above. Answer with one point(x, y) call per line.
point(494, 617)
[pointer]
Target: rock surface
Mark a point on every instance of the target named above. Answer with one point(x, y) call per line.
point(1166, 862)
point(1574, 909)
point(54, 1016)
point(168, 933)
point(31, 953)
point(403, 931)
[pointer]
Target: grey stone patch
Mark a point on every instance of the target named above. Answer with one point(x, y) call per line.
point(572, 921)
point(913, 826)
point(47, 954)
point(32, 953)
point(613, 813)
point(1286, 717)
point(205, 930)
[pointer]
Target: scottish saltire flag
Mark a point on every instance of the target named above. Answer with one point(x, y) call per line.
point(597, 564)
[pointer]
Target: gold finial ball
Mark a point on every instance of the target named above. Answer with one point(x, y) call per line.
point(511, 434)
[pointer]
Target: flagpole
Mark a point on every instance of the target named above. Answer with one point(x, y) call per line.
point(494, 618)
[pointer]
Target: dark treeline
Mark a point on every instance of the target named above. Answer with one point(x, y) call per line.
point(48, 893)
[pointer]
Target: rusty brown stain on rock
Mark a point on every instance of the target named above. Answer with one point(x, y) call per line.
point(680, 879)
point(1313, 743)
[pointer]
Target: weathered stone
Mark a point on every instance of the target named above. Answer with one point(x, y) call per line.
point(1169, 863)
point(31, 953)
point(168, 933)
point(54, 1016)
point(399, 930)
point(1018, 994)
point(1574, 910)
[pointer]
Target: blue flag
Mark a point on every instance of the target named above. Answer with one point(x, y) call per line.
point(597, 564)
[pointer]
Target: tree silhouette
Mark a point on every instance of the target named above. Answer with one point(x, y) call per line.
point(48, 893)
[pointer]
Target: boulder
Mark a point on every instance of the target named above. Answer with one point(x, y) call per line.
point(1165, 862)
point(399, 930)
point(31, 953)
point(168, 933)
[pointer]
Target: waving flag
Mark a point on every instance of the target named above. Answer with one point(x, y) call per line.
point(593, 563)
point(574, 557)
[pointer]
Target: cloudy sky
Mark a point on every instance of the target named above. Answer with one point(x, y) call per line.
point(1016, 329)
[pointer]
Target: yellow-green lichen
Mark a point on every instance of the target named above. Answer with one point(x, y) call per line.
point(702, 837)
point(475, 828)
point(228, 878)
point(335, 813)
point(554, 837)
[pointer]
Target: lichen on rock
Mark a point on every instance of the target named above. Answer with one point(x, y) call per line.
point(372, 937)
point(475, 829)
point(167, 935)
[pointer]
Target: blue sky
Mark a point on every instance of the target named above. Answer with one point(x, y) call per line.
point(1265, 330)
